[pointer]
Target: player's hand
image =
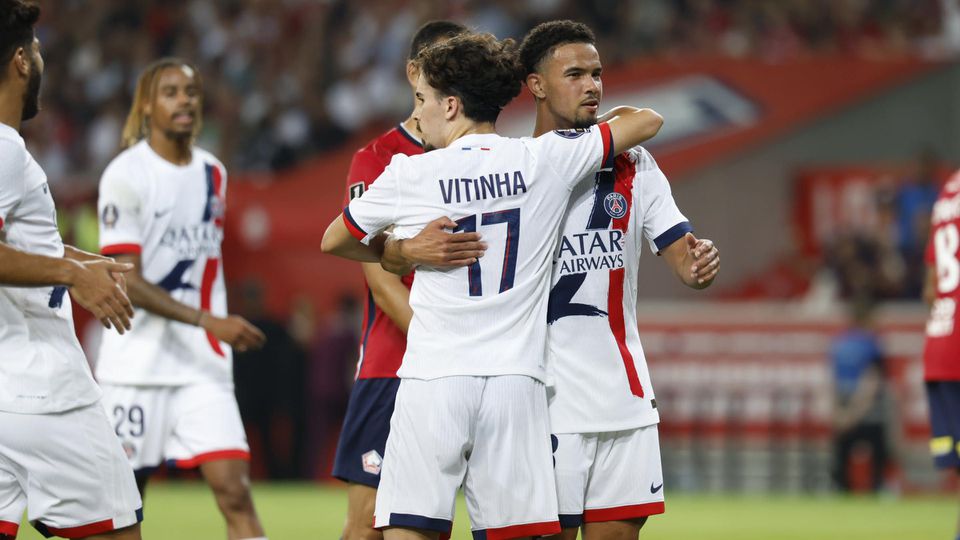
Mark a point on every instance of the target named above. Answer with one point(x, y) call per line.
point(706, 260)
point(234, 331)
point(436, 246)
point(98, 285)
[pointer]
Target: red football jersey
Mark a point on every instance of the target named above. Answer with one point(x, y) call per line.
point(381, 343)
point(941, 354)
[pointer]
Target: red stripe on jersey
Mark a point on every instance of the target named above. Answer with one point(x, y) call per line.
point(207, 457)
point(206, 292)
point(8, 527)
point(623, 184)
point(1, 226)
point(355, 230)
point(82, 531)
point(217, 185)
point(607, 136)
point(621, 513)
point(527, 529)
point(121, 249)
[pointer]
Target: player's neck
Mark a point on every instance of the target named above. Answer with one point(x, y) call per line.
point(470, 128)
point(176, 151)
point(411, 126)
point(546, 121)
point(11, 106)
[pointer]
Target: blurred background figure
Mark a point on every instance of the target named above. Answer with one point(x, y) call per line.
point(270, 385)
point(332, 362)
point(860, 412)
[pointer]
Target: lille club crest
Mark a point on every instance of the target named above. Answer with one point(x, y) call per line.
point(372, 461)
point(616, 205)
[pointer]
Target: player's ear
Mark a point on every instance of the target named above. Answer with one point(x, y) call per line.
point(452, 106)
point(413, 73)
point(22, 62)
point(535, 84)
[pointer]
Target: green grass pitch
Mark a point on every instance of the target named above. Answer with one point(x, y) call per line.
point(186, 511)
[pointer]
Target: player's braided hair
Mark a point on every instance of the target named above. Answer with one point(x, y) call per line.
point(432, 32)
point(477, 68)
point(543, 38)
point(17, 18)
point(136, 127)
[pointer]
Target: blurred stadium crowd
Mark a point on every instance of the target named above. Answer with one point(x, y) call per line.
point(286, 79)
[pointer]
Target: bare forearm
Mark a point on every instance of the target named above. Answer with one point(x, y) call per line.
point(390, 295)
point(19, 268)
point(338, 241)
point(158, 301)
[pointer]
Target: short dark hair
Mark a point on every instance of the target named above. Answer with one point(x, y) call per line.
point(17, 18)
point(543, 38)
point(431, 32)
point(477, 68)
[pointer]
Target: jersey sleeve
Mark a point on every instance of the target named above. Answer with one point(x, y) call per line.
point(368, 215)
point(12, 169)
point(365, 167)
point(120, 209)
point(576, 153)
point(663, 223)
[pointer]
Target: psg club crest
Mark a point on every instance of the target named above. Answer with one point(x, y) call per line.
point(217, 207)
point(571, 133)
point(616, 205)
point(372, 461)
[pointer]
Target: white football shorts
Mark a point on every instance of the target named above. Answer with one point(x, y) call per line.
point(611, 476)
point(183, 426)
point(68, 471)
point(489, 434)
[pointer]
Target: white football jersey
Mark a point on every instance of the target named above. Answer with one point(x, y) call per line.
point(598, 375)
point(173, 217)
point(488, 318)
point(42, 367)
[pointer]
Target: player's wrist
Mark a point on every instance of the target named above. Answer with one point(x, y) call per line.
point(201, 319)
point(69, 272)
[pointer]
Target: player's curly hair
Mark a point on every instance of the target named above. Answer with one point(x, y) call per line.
point(17, 19)
point(477, 68)
point(543, 38)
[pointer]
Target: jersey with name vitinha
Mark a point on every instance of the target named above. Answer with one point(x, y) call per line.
point(598, 375)
point(172, 216)
point(487, 318)
point(42, 367)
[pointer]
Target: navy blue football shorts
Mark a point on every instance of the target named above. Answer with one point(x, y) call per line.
point(944, 399)
point(365, 429)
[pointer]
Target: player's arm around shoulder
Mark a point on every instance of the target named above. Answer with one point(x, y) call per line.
point(695, 261)
point(630, 126)
point(436, 245)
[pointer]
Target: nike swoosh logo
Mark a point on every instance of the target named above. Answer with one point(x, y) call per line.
point(654, 489)
point(162, 213)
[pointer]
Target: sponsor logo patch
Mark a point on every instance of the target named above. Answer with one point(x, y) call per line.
point(110, 215)
point(372, 461)
point(655, 489)
point(355, 190)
